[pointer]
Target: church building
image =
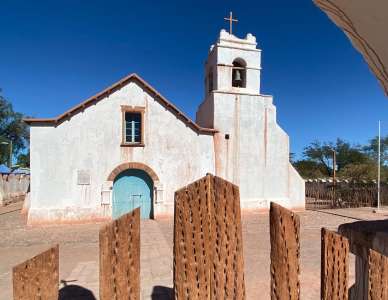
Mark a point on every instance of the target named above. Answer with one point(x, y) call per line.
point(112, 152)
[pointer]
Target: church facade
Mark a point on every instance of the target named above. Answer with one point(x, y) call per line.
point(112, 152)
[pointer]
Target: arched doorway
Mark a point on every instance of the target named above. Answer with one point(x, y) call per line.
point(132, 188)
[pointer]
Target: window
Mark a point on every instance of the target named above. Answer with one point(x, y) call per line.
point(239, 73)
point(133, 127)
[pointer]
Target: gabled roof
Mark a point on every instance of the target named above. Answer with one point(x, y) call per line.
point(116, 86)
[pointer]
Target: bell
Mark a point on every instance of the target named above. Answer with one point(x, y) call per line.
point(238, 75)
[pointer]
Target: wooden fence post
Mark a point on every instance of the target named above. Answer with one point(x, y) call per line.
point(334, 265)
point(285, 249)
point(364, 236)
point(38, 277)
point(120, 258)
point(208, 253)
point(377, 276)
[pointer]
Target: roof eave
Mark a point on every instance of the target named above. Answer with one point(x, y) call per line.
point(94, 99)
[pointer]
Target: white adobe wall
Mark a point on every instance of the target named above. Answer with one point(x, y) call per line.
point(256, 155)
point(296, 188)
point(91, 139)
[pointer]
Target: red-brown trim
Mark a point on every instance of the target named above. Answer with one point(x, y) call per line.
point(130, 78)
point(132, 165)
point(135, 109)
point(132, 145)
point(132, 108)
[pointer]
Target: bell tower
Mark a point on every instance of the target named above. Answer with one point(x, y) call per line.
point(233, 104)
point(250, 148)
point(233, 65)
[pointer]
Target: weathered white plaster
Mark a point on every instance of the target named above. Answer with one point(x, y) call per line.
point(255, 157)
point(91, 140)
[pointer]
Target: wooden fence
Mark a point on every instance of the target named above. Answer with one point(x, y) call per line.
point(364, 239)
point(13, 188)
point(284, 236)
point(377, 275)
point(334, 265)
point(208, 253)
point(38, 277)
point(120, 258)
point(344, 194)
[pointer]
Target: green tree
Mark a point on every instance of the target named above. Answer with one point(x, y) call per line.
point(23, 160)
point(309, 169)
point(359, 172)
point(12, 128)
point(292, 157)
point(348, 154)
point(372, 149)
point(322, 154)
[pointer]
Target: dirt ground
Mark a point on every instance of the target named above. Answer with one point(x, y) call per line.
point(79, 250)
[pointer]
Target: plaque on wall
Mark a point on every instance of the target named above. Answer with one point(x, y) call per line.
point(83, 177)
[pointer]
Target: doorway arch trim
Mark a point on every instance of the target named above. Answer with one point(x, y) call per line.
point(133, 165)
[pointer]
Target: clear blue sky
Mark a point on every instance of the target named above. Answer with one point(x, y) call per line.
point(54, 54)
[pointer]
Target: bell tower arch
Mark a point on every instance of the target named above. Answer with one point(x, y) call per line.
point(233, 63)
point(239, 73)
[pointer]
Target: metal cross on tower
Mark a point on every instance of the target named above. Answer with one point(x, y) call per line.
point(231, 20)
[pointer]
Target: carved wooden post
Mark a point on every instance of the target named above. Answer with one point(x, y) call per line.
point(38, 277)
point(334, 266)
point(208, 253)
point(284, 233)
point(120, 258)
point(364, 236)
point(378, 276)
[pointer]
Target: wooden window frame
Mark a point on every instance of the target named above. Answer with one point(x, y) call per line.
point(132, 109)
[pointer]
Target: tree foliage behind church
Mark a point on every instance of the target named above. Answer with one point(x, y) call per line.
point(12, 128)
point(353, 162)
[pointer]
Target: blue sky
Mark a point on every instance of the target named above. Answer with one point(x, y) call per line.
point(54, 54)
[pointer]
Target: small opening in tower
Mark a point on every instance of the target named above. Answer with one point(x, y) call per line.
point(239, 73)
point(210, 81)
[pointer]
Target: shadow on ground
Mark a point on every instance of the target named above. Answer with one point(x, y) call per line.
point(162, 293)
point(75, 292)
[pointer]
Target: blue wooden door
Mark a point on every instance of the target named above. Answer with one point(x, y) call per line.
point(131, 189)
